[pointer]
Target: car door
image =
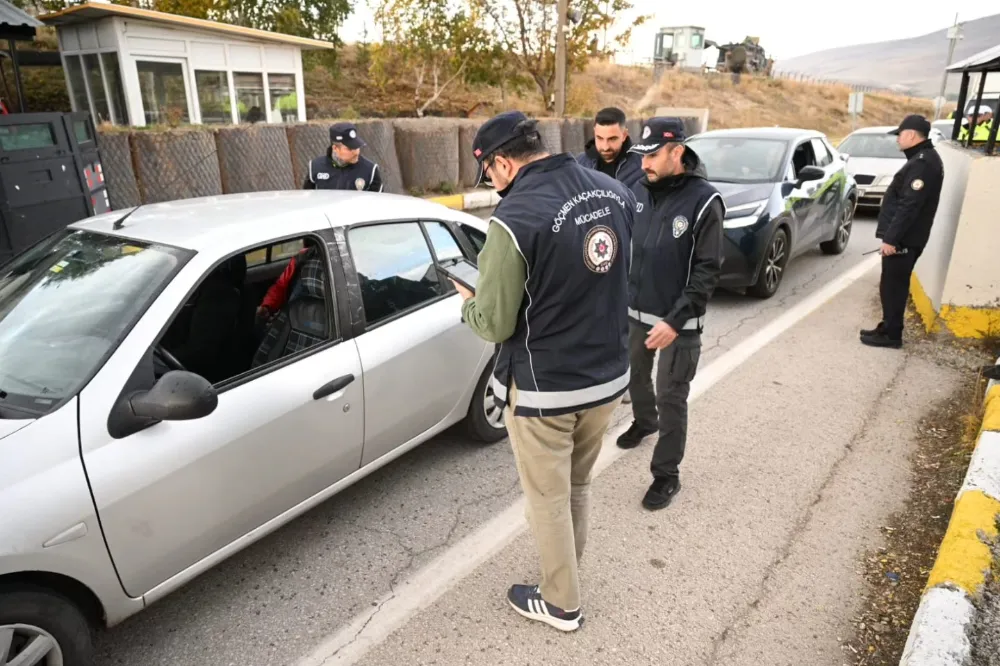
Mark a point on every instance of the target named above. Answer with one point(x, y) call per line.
point(828, 194)
point(176, 497)
point(418, 355)
point(799, 201)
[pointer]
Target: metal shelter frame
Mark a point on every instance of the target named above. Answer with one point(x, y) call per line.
point(983, 63)
point(17, 25)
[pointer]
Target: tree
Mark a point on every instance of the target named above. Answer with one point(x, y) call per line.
point(527, 30)
point(438, 42)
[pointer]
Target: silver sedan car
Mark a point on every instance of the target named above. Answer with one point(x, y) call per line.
point(873, 158)
point(181, 380)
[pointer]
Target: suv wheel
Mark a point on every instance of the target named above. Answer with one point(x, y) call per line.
point(838, 244)
point(773, 268)
point(41, 628)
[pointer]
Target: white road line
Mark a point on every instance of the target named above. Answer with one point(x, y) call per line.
point(424, 587)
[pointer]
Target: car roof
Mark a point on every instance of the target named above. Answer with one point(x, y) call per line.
point(781, 133)
point(881, 129)
point(233, 221)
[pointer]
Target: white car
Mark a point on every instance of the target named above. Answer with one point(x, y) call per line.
point(154, 421)
point(873, 158)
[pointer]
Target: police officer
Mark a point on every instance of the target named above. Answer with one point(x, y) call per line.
point(343, 167)
point(552, 293)
point(676, 263)
point(608, 152)
point(904, 225)
point(984, 122)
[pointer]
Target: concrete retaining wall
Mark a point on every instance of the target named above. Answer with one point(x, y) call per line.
point(425, 156)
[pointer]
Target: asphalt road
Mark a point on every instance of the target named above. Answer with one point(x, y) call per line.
point(272, 603)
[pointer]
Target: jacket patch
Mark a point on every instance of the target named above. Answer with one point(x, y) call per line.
point(359, 183)
point(600, 246)
point(917, 184)
point(680, 226)
point(322, 176)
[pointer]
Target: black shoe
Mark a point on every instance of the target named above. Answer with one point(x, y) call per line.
point(881, 340)
point(527, 600)
point(661, 493)
point(873, 331)
point(632, 437)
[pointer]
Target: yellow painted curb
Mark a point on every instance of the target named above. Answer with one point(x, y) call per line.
point(922, 303)
point(963, 558)
point(455, 201)
point(966, 322)
point(991, 409)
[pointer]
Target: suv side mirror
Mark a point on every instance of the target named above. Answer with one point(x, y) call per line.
point(845, 156)
point(810, 173)
point(177, 396)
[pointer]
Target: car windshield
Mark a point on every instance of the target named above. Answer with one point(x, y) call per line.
point(871, 145)
point(64, 305)
point(732, 159)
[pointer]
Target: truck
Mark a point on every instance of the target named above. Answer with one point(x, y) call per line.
point(683, 47)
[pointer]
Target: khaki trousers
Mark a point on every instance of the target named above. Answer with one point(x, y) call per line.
point(555, 457)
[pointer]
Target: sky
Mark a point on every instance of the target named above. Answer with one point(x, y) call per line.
point(783, 28)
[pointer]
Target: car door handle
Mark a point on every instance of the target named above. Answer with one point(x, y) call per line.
point(338, 384)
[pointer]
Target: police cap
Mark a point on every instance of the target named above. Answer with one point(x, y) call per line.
point(496, 132)
point(657, 133)
point(347, 134)
point(914, 121)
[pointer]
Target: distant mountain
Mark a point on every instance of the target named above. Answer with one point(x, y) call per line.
point(913, 65)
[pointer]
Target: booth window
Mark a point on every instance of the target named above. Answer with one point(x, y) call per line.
point(92, 67)
point(113, 78)
point(213, 97)
point(164, 97)
point(250, 105)
point(284, 101)
point(75, 73)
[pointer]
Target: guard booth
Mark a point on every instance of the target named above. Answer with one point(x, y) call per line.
point(50, 176)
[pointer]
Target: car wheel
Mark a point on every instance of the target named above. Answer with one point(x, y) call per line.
point(839, 242)
point(40, 628)
point(484, 421)
point(773, 268)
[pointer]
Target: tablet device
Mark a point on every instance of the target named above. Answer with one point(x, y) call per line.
point(463, 272)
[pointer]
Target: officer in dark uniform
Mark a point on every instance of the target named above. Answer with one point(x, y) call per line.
point(552, 292)
point(904, 225)
point(343, 167)
point(676, 263)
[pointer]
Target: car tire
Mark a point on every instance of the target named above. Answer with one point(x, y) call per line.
point(36, 614)
point(772, 269)
point(484, 422)
point(845, 225)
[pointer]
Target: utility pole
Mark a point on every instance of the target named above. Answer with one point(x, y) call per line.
point(563, 10)
point(954, 34)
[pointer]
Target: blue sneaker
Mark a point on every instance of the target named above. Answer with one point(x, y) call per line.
point(527, 600)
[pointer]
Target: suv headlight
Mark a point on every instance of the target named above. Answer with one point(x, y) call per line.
point(744, 215)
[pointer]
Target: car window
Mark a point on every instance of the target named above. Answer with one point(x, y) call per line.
point(823, 157)
point(445, 246)
point(867, 144)
point(66, 304)
point(803, 157)
point(737, 159)
point(395, 269)
point(222, 332)
point(273, 253)
point(476, 237)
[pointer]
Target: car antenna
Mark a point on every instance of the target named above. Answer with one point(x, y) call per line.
point(120, 222)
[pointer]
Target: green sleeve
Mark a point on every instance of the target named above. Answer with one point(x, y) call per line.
point(492, 312)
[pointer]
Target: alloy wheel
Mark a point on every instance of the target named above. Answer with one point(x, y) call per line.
point(494, 414)
point(846, 222)
point(775, 263)
point(27, 645)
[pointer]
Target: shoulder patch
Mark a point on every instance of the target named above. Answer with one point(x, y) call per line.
point(917, 184)
point(680, 225)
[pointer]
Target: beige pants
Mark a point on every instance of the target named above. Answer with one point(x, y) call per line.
point(555, 456)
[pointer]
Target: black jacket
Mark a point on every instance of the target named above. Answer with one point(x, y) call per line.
point(627, 167)
point(676, 248)
point(911, 200)
point(325, 175)
point(571, 226)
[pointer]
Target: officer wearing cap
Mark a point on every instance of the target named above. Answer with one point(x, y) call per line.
point(984, 122)
point(552, 293)
point(343, 167)
point(676, 263)
point(904, 225)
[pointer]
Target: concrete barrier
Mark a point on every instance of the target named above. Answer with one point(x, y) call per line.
point(119, 174)
point(468, 167)
point(380, 135)
point(574, 138)
point(939, 632)
point(254, 158)
point(428, 153)
point(176, 164)
point(306, 141)
point(956, 284)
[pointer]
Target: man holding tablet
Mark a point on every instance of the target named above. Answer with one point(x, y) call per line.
point(552, 291)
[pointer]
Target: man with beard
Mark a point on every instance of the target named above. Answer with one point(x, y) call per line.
point(343, 167)
point(676, 263)
point(608, 152)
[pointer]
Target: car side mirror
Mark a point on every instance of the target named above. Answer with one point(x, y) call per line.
point(845, 156)
point(809, 173)
point(177, 396)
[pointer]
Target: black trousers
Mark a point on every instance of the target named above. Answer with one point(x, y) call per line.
point(664, 409)
point(894, 289)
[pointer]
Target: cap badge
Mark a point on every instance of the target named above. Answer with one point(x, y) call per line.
point(353, 134)
point(646, 132)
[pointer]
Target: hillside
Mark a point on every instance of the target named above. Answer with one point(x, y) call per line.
point(915, 64)
point(755, 101)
